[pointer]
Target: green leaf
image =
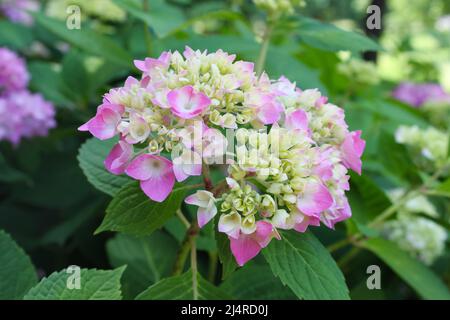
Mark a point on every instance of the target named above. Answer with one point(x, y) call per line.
point(87, 40)
point(161, 17)
point(444, 186)
point(48, 81)
point(75, 76)
point(131, 211)
point(397, 161)
point(148, 259)
point(226, 257)
point(91, 156)
point(9, 174)
point(304, 265)
point(256, 282)
point(417, 275)
point(281, 62)
point(14, 35)
point(180, 288)
point(94, 285)
point(330, 38)
point(17, 274)
point(366, 199)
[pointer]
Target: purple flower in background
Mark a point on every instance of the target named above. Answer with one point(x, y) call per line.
point(16, 10)
point(25, 115)
point(13, 72)
point(417, 94)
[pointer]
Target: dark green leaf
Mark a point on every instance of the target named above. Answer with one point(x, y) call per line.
point(91, 156)
point(131, 211)
point(180, 288)
point(94, 285)
point(366, 199)
point(304, 265)
point(17, 274)
point(87, 40)
point(417, 275)
point(328, 37)
point(226, 257)
point(148, 259)
point(161, 16)
point(256, 282)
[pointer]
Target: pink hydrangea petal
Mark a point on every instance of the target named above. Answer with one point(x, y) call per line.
point(118, 158)
point(306, 222)
point(104, 125)
point(244, 248)
point(187, 104)
point(352, 149)
point(148, 166)
point(315, 199)
point(158, 188)
point(263, 233)
point(269, 113)
point(204, 215)
point(297, 120)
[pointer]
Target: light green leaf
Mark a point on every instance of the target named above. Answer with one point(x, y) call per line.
point(304, 265)
point(15, 35)
point(94, 285)
point(75, 76)
point(148, 259)
point(413, 272)
point(180, 288)
point(330, 38)
point(87, 40)
point(17, 274)
point(256, 282)
point(162, 17)
point(48, 81)
point(91, 156)
point(132, 212)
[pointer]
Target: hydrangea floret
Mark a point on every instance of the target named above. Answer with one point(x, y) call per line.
point(286, 151)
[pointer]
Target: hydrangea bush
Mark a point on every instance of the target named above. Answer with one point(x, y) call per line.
point(234, 172)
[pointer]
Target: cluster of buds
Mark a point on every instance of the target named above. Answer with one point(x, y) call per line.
point(18, 10)
point(421, 237)
point(359, 71)
point(279, 7)
point(286, 151)
point(105, 10)
point(22, 114)
point(428, 146)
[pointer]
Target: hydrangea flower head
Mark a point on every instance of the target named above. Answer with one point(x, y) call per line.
point(419, 94)
point(25, 115)
point(16, 10)
point(286, 151)
point(13, 72)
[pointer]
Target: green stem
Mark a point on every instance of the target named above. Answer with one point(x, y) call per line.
point(213, 260)
point(194, 269)
point(264, 48)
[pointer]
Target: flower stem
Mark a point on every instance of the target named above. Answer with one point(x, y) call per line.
point(186, 245)
point(260, 63)
point(194, 269)
point(213, 259)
